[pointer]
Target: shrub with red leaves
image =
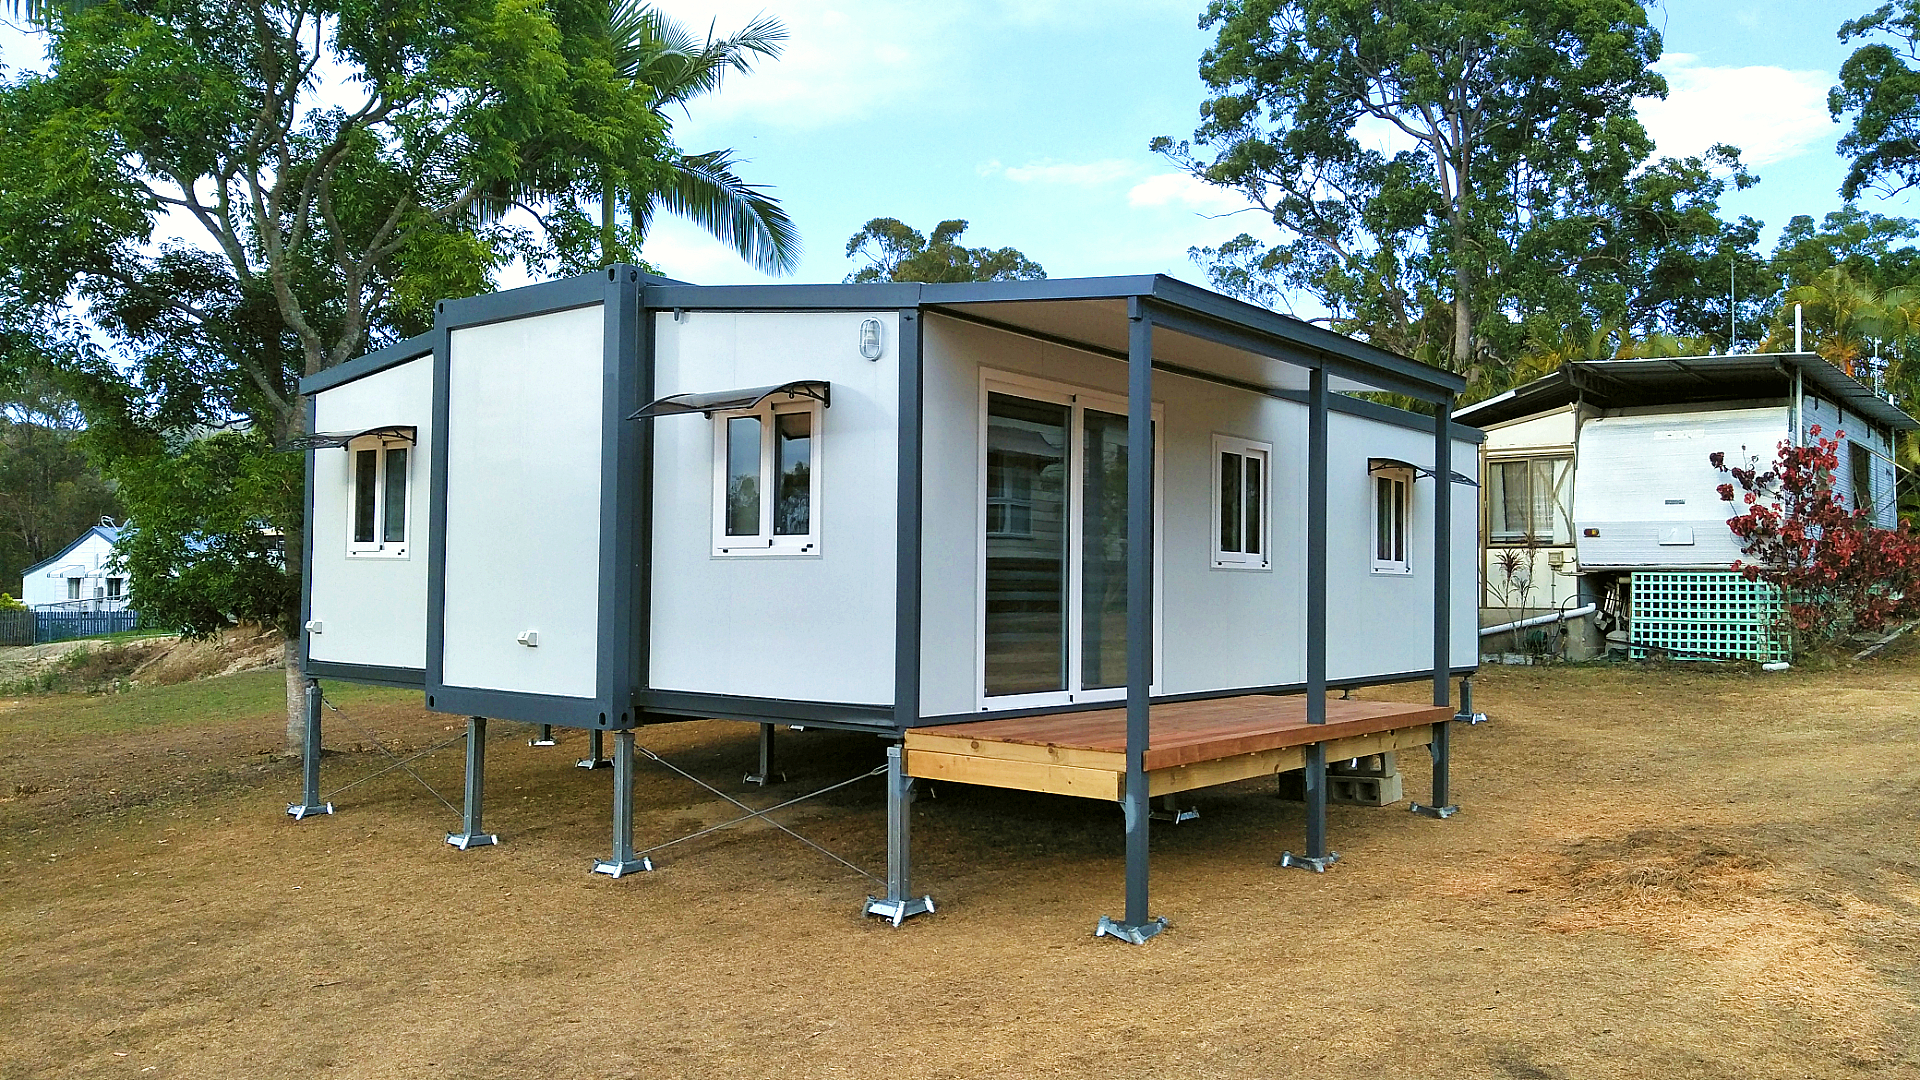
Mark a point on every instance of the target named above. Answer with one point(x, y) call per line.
point(1840, 573)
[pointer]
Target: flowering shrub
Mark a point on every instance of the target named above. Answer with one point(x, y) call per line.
point(1839, 572)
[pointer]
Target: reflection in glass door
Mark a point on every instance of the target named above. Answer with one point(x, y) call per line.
point(1055, 603)
point(1026, 524)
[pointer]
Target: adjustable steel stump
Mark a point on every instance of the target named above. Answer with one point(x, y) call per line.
point(623, 861)
point(765, 775)
point(596, 752)
point(310, 803)
point(899, 905)
point(472, 834)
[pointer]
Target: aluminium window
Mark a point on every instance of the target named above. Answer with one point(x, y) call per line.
point(1529, 501)
point(1392, 510)
point(378, 517)
point(1242, 479)
point(767, 480)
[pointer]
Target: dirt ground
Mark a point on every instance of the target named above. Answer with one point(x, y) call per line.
point(1654, 873)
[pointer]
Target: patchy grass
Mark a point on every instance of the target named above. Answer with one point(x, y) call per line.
point(202, 703)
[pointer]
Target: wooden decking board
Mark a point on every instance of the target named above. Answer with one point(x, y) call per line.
point(1189, 732)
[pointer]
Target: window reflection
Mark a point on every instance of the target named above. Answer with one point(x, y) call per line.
point(793, 491)
point(1026, 610)
point(743, 476)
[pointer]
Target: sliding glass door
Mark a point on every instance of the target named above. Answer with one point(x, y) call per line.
point(1054, 603)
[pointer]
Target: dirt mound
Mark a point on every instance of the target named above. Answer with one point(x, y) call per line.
point(1657, 866)
point(93, 666)
point(242, 648)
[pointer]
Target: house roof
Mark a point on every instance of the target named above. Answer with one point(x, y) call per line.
point(1683, 380)
point(110, 533)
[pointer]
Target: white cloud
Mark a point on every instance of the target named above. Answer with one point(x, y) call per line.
point(1770, 113)
point(1078, 174)
point(1183, 189)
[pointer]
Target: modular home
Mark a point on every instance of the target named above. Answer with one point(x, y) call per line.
point(1110, 537)
point(1598, 486)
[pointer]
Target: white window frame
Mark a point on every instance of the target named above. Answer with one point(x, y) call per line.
point(1403, 476)
point(766, 543)
point(1243, 560)
point(379, 547)
point(1077, 399)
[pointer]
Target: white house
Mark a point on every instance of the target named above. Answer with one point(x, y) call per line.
point(1600, 472)
point(79, 578)
point(1127, 507)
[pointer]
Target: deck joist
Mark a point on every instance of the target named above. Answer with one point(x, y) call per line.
point(1191, 744)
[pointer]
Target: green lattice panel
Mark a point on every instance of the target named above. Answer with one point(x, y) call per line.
point(1707, 614)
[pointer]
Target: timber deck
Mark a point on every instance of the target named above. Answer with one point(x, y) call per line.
point(1191, 744)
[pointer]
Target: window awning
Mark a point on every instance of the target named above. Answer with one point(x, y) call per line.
point(727, 400)
point(327, 439)
point(1381, 464)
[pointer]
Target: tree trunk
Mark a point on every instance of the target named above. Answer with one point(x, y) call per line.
point(293, 558)
point(606, 224)
point(296, 697)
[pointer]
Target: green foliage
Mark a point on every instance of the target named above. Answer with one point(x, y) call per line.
point(1880, 89)
point(8, 603)
point(896, 252)
point(1520, 204)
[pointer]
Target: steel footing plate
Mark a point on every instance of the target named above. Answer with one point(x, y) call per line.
point(543, 742)
point(594, 763)
point(301, 813)
point(1174, 817)
point(899, 911)
point(1441, 812)
point(618, 868)
point(1470, 718)
point(1132, 935)
point(763, 779)
point(1308, 862)
point(463, 841)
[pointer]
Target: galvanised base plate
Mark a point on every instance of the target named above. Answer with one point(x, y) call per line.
point(463, 841)
point(1308, 862)
point(594, 763)
point(1470, 718)
point(763, 779)
point(1132, 935)
point(543, 742)
point(1175, 817)
point(618, 868)
point(301, 813)
point(899, 911)
point(1440, 812)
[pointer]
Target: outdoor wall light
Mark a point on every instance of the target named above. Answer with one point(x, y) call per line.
point(870, 339)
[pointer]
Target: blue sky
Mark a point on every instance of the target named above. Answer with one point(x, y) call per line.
point(1030, 119)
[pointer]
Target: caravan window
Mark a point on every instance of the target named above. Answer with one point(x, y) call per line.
point(1529, 501)
point(767, 480)
point(382, 479)
point(1241, 479)
point(1392, 491)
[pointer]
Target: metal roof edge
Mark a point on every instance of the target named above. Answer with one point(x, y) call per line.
point(109, 537)
point(360, 367)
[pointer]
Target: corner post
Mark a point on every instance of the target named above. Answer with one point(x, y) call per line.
point(900, 903)
point(1138, 924)
point(1441, 748)
point(1317, 857)
point(623, 861)
point(310, 803)
point(472, 833)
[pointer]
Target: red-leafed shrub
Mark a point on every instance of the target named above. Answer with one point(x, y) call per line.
point(1840, 573)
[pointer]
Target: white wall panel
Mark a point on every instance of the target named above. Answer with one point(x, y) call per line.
point(524, 443)
point(815, 627)
point(372, 609)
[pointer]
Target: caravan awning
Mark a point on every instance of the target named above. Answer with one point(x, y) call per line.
point(726, 400)
point(327, 439)
point(1381, 464)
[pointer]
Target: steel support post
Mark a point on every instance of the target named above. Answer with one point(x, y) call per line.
point(596, 752)
point(765, 774)
point(623, 861)
point(472, 834)
point(900, 903)
point(310, 803)
point(1138, 925)
point(545, 738)
point(1442, 804)
point(1317, 857)
point(1466, 715)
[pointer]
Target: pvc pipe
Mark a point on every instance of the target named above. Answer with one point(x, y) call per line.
point(1538, 620)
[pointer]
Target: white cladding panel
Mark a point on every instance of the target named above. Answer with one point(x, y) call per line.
point(815, 627)
point(1645, 484)
point(372, 609)
point(1548, 431)
point(524, 442)
point(1220, 628)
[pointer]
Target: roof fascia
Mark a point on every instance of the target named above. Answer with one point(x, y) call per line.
point(878, 296)
point(360, 367)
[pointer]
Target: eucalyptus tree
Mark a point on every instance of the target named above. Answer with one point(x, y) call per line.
point(1879, 92)
point(895, 251)
point(1408, 150)
point(244, 192)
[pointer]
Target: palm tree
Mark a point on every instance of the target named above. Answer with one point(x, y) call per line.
point(654, 50)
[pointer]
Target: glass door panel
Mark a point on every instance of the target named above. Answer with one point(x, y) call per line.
point(1027, 543)
point(1103, 552)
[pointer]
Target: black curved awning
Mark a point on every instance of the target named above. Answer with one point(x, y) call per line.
point(727, 400)
point(324, 440)
point(1381, 464)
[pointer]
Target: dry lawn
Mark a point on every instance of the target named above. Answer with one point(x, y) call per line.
point(1655, 873)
